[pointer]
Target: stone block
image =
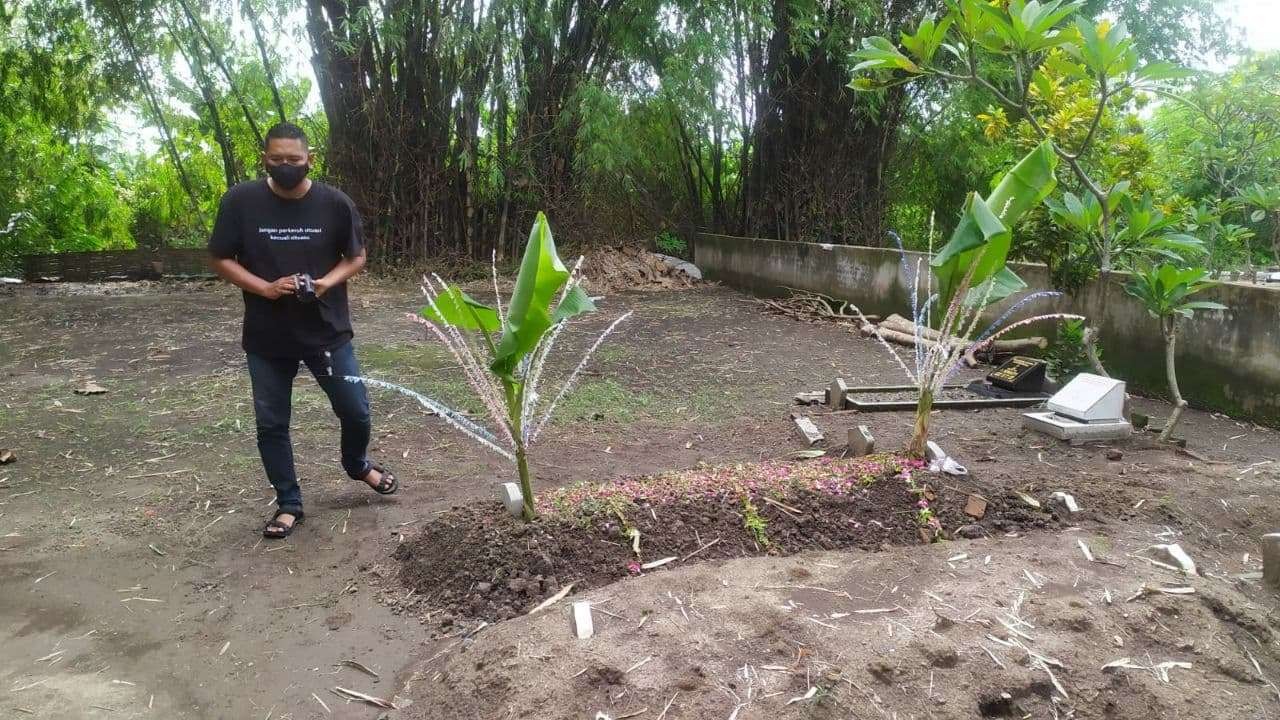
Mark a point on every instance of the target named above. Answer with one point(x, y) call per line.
point(1174, 555)
point(808, 430)
point(512, 499)
point(1064, 428)
point(1271, 560)
point(836, 394)
point(976, 507)
point(861, 441)
point(1067, 500)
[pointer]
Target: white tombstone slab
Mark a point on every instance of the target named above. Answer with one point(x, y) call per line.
point(1090, 398)
point(1090, 407)
point(512, 499)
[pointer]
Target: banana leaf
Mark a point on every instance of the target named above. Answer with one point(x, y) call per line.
point(454, 307)
point(982, 238)
point(542, 276)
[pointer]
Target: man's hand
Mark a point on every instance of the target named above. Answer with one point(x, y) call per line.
point(279, 288)
point(339, 274)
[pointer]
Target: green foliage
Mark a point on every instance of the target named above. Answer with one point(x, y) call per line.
point(1069, 74)
point(668, 243)
point(56, 193)
point(1263, 201)
point(754, 523)
point(664, 126)
point(510, 388)
point(542, 277)
point(1165, 291)
point(1218, 146)
point(1066, 356)
point(63, 198)
point(979, 246)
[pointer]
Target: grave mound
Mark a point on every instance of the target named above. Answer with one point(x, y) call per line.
point(479, 562)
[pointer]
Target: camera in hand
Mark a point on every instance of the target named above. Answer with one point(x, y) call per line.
point(304, 288)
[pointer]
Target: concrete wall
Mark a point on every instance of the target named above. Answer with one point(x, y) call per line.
point(1228, 361)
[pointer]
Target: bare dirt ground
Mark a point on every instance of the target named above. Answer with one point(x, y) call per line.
point(134, 583)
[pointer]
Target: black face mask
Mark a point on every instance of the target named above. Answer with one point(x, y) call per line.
point(287, 176)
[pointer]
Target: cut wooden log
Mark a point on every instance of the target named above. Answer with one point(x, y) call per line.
point(901, 331)
point(903, 325)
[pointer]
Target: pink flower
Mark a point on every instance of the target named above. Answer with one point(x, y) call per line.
point(923, 504)
point(633, 567)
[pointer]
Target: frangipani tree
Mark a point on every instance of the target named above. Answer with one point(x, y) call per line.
point(1166, 292)
point(514, 346)
point(1029, 56)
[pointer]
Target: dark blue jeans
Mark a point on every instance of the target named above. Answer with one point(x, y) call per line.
point(272, 380)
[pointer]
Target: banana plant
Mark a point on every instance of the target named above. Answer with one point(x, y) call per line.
point(971, 273)
point(1165, 291)
point(979, 245)
point(514, 344)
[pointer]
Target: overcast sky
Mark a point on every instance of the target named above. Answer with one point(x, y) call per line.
point(1261, 22)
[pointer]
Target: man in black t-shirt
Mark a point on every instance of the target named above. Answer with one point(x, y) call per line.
point(290, 244)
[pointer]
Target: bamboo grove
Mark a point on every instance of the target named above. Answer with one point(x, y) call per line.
point(453, 122)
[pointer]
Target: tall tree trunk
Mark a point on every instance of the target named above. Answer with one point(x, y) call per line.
point(246, 7)
point(1169, 328)
point(818, 150)
point(153, 102)
point(216, 56)
point(230, 167)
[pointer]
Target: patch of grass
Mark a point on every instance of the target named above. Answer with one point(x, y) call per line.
point(708, 403)
point(403, 361)
point(608, 354)
point(226, 426)
point(604, 399)
point(427, 369)
point(1101, 545)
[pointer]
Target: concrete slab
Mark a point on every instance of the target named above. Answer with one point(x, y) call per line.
point(583, 627)
point(808, 430)
point(1063, 428)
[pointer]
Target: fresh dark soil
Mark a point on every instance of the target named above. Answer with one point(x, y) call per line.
point(156, 488)
point(478, 562)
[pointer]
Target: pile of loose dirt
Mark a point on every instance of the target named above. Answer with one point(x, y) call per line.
point(610, 270)
point(478, 562)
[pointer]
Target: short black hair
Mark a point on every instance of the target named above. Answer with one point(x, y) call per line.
point(285, 131)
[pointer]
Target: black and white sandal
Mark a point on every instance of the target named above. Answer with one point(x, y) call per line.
point(387, 485)
point(277, 530)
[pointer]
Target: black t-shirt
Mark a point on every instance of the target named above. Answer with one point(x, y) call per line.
point(273, 237)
